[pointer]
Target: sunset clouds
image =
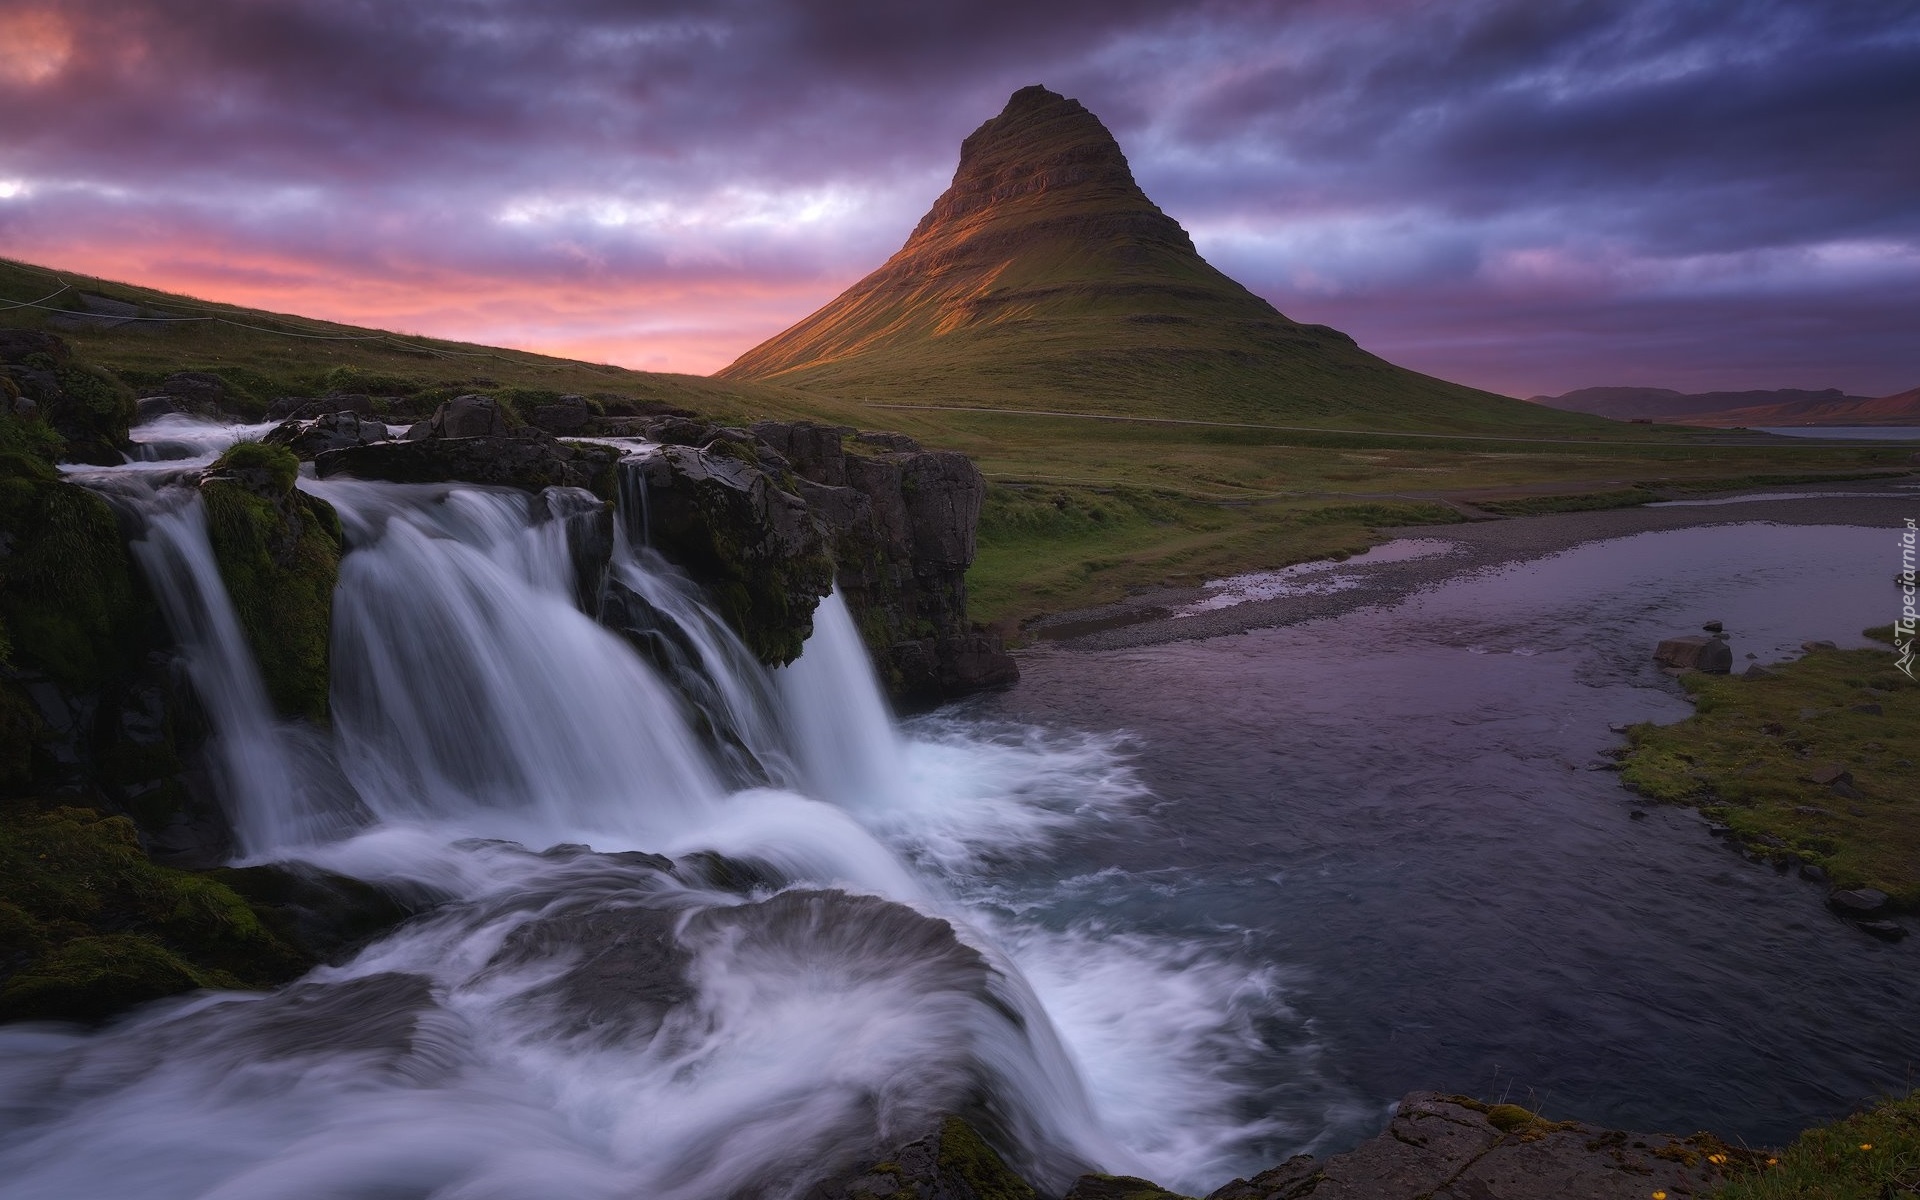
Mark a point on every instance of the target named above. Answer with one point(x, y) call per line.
point(1528, 195)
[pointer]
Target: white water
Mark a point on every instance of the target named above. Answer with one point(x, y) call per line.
point(528, 1038)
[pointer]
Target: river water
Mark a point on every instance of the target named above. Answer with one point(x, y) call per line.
point(1211, 903)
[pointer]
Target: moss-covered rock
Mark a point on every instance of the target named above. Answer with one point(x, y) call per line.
point(965, 1155)
point(87, 406)
point(89, 926)
point(279, 554)
point(952, 1162)
point(69, 596)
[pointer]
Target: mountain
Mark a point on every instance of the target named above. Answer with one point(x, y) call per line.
point(1044, 278)
point(1783, 406)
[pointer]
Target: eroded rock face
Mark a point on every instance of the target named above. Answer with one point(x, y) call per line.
point(757, 547)
point(902, 519)
point(530, 459)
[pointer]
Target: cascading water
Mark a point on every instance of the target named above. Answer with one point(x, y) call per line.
point(590, 1022)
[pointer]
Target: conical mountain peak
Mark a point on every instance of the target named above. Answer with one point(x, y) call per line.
point(1041, 141)
point(1044, 278)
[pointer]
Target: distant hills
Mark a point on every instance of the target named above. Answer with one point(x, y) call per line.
point(1045, 279)
point(1755, 409)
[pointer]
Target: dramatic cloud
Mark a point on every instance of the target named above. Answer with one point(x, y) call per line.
point(1529, 195)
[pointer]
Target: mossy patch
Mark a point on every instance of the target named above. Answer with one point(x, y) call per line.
point(89, 926)
point(1758, 755)
point(279, 554)
point(965, 1154)
point(69, 596)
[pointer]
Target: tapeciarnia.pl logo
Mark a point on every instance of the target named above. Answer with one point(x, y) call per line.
point(1904, 627)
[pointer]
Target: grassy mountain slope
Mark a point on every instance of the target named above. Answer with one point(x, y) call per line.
point(265, 355)
point(1044, 278)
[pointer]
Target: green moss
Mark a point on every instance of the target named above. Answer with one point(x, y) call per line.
point(92, 978)
point(279, 465)
point(107, 400)
point(1749, 752)
point(69, 598)
point(89, 926)
point(966, 1154)
point(1120, 1187)
point(1873, 1155)
point(280, 559)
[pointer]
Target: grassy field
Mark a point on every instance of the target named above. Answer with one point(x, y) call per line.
point(1872, 1155)
point(1081, 509)
point(1749, 754)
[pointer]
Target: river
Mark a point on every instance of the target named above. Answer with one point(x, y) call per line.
point(1215, 901)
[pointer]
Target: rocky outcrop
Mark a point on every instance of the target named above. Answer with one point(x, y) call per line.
point(952, 1162)
point(279, 553)
point(464, 417)
point(526, 458)
point(87, 408)
point(1709, 654)
point(1456, 1148)
point(756, 546)
point(311, 437)
point(902, 520)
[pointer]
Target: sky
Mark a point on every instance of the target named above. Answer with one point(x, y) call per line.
point(1529, 196)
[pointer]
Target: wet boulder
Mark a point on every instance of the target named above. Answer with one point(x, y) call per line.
point(756, 546)
point(200, 392)
point(278, 550)
point(529, 459)
point(312, 437)
point(1858, 902)
point(568, 416)
point(1707, 654)
point(463, 417)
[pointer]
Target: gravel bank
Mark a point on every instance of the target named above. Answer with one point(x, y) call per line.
point(1328, 589)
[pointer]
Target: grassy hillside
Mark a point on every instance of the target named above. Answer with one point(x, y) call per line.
point(266, 355)
point(1080, 509)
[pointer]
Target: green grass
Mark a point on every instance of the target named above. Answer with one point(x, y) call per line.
point(1873, 1155)
point(1745, 755)
point(1176, 501)
point(1047, 549)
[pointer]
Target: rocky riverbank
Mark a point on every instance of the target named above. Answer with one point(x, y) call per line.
point(1163, 615)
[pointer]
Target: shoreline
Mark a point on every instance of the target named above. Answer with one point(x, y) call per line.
point(1148, 618)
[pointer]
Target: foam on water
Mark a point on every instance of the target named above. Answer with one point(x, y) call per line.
point(600, 1022)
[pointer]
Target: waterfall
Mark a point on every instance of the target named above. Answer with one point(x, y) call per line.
point(848, 747)
point(274, 777)
point(598, 1021)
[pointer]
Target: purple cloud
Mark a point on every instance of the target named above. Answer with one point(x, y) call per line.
point(1529, 195)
